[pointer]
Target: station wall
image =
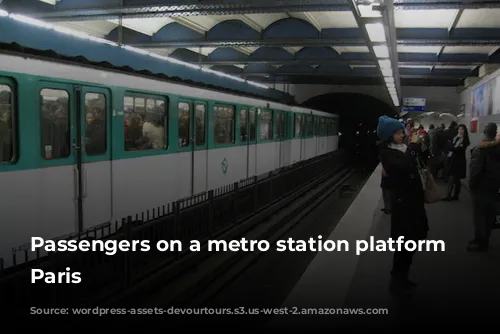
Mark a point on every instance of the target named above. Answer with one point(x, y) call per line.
point(481, 101)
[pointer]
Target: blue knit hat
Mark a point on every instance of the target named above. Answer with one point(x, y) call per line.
point(387, 127)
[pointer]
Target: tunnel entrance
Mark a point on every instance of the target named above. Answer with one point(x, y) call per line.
point(359, 115)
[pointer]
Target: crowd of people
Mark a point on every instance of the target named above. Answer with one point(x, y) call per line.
point(406, 152)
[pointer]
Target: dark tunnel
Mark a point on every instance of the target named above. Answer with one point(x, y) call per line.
point(359, 115)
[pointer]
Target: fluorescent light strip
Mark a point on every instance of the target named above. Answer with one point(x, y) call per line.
point(82, 35)
point(384, 63)
point(376, 32)
point(386, 72)
point(381, 51)
point(367, 11)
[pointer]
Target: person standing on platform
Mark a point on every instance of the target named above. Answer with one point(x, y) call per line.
point(409, 218)
point(457, 165)
point(484, 183)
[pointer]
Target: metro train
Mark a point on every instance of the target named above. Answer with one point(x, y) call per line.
point(82, 145)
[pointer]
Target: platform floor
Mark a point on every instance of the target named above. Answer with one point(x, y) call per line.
point(456, 289)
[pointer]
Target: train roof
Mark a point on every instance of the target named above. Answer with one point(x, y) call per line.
point(45, 44)
point(228, 95)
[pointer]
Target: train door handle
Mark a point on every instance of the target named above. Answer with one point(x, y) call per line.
point(84, 181)
point(75, 180)
point(75, 145)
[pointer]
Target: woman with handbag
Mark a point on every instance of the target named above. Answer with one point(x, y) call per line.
point(409, 218)
point(457, 163)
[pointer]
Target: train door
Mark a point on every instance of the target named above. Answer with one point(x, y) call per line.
point(280, 137)
point(247, 137)
point(199, 155)
point(60, 197)
point(192, 142)
point(299, 129)
point(75, 147)
point(316, 135)
point(248, 128)
point(94, 162)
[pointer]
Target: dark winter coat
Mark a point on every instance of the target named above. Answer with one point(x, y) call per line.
point(485, 167)
point(409, 217)
point(457, 165)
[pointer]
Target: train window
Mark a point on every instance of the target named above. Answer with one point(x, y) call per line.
point(184, 122)
point(309, 126)
point(55, 127)
point(252, 128)
point(200, 124)
point(145, 124)
point(316, 125)
point(243, 125)
point(6, 124)
point(95, 124)
point(297, 125)
point(224, 125)
point(266, 125)
point(280, 125)
point(323, 127)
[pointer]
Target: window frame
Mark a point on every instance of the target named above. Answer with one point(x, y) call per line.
point(214, 118)
point(12, 84)
point(166, 115)
point(205, 124)
point(273, 118)
point(107, 104)
point(71, 122)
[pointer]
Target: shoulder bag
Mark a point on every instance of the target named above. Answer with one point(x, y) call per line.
point(431, 191)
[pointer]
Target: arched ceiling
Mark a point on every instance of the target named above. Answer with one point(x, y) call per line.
point(406, 42)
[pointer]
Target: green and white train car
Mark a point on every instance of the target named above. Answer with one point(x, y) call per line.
point(81, 146)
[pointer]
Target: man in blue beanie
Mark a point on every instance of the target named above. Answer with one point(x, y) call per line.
point(408, 215)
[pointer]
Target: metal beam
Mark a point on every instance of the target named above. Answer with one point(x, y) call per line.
point(446, 4)
point(315, 80)
point(449, 42)
point(322, 61)
point(333, 61)
point(152, 9)
point(157, 8)
point(305, 42)
point(350, 75)
point(256, 42)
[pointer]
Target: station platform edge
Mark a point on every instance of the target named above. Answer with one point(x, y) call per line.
point(455, 287)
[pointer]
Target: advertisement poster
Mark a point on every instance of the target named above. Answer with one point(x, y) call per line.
point(486, 99)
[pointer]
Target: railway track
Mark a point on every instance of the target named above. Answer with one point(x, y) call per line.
point(204, 280)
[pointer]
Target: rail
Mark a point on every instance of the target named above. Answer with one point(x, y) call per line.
point(201, 217)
